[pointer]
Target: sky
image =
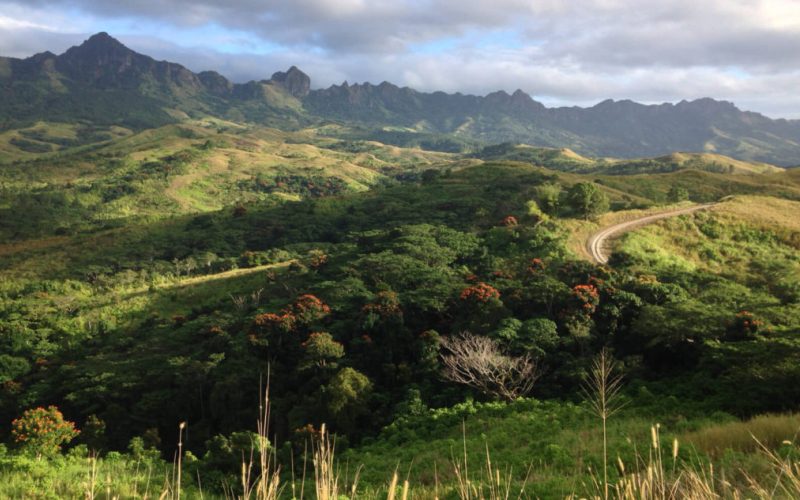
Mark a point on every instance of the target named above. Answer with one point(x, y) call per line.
point(561, 52)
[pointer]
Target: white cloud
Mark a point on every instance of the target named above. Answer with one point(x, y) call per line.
point(581, 51)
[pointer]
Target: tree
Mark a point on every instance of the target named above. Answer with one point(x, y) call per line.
point(94, 433)
point(537, 336)
point(42, 431)
point(587, 200)
point(549, 196)
point(321, 351)
point(481, 293)
point(677, 193)
point(745, 326)
point(348, 393)
point(478, 362)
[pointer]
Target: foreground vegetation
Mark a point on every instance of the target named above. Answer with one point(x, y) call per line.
point(526, 449)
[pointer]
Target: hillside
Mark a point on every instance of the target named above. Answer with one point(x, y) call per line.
point(566, 160)
point(197, 166)
point(103, 83)
point(173, 317)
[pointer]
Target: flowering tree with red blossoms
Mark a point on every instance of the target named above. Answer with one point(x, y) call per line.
point(587, 298)
point(510, 221)
point(744, 326)
point(480, 293)
point(304, 311)
point(42, 431)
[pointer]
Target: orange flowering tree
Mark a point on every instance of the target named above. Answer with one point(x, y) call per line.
point(384, 308)
point(42, 431)
point(283, 322)
point(308, 308)
point(582, 304)
point(587, 298)
point(536, 266)
point(304, 311)
point(480, 308)
point(510, 221)
point(480, 293)
point(744, 326)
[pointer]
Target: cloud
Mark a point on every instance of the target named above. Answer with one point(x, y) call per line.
point(581, 51)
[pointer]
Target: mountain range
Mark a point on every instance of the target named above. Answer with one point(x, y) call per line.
point(102, 82)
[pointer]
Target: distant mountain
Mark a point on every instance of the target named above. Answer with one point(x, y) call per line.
point(622, 129)
point(103, 82)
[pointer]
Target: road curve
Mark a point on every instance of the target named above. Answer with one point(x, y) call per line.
point(596, 241)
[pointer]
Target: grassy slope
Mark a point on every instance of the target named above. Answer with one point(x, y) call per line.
point(736, 234)
point(555, 445)
point(567, 160)
point(189, 168)
point(545, 448)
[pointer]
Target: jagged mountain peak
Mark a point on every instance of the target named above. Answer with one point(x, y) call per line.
point(104, 62)
point(709, 105)
point(98, 47)
point(103, 39)
point(293, 81)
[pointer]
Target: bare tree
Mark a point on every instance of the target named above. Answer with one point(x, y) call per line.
point(480, 363)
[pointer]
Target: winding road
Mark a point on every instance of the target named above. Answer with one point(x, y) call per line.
point(596, 244)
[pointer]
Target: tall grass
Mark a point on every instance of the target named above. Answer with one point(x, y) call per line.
point(267, 484)
point(748, 436)
point(492, 484)
point(602, 393)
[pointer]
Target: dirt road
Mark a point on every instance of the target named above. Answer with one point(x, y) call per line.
point(597, 242)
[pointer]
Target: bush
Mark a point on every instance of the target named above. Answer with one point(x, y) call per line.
point(42, 431)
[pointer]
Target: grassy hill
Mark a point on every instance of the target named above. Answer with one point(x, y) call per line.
point(564, 159)
point(188, 168)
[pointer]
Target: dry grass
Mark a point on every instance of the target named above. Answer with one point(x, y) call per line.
point(763, 431)
point(602, 389)
point(267, 484)
point(763, 211)
point(328, 483)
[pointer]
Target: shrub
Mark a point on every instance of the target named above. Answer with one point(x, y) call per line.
point(745, 326)
point(42, 431)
